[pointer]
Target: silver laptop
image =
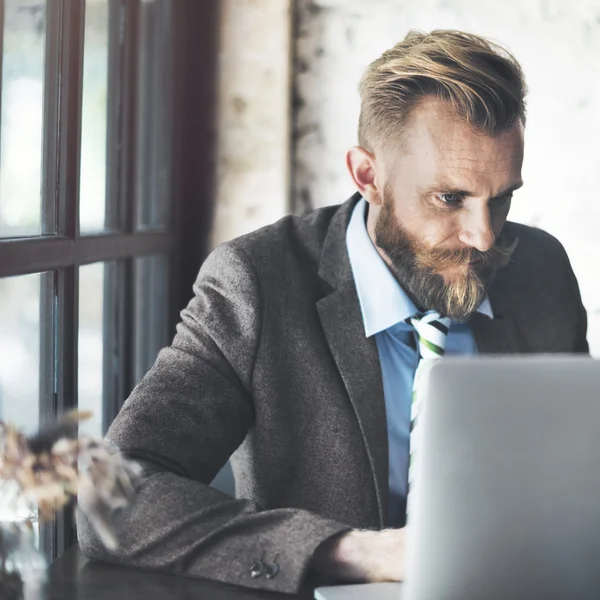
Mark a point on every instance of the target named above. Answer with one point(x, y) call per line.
point(506, 497)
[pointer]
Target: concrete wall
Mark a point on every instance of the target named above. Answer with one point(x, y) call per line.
point(558, 45)
point(253, 116)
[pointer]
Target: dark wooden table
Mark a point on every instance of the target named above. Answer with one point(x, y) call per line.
point(73, 577)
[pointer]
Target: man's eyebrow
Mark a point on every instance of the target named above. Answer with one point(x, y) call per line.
point(467, 194)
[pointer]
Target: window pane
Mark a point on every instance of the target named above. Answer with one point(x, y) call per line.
point(21, 126)
point(90, 345)
point(20, 350)
point(151, 306)
point(154, 127)
point(20, 327)
point(94, 117)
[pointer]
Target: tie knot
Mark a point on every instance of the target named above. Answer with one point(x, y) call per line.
point(432, 330)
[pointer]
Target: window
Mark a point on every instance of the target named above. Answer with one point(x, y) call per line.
point(23, 53)
point(20, 333)
point(92, 175)
point(86, 234)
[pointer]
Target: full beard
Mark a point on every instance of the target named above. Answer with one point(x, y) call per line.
point(419, 269)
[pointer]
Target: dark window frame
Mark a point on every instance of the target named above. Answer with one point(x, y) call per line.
point(58, 254)
point(191, 59)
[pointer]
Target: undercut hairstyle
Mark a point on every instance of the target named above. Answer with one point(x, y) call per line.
point(482, 83)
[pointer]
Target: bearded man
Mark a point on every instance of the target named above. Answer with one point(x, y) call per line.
point(296, 357)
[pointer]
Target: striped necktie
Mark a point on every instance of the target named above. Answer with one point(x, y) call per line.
point(432, 331)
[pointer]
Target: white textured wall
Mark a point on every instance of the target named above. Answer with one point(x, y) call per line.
point(253, 143)
point(558, 45)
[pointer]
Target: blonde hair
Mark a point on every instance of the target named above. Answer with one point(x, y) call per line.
point(481, 81)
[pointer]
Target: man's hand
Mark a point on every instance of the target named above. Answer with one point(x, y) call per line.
point(363, 556)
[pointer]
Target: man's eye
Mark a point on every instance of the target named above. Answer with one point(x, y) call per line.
point(450, 199)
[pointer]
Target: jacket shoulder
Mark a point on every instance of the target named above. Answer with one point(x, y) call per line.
point(300, 237)
point(539, 267)
point(532, 235)
point(536, 248)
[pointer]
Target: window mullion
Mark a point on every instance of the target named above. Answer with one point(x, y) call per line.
point(67, 307)
point(129, 91)
point(114, 150)
point(68, 135)
point(122, 89)
point(120, 201)
point(48, 393)
point(51, 120)
point(118, 342)
point(71, 35)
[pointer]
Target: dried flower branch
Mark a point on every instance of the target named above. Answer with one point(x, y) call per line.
point(49, 470)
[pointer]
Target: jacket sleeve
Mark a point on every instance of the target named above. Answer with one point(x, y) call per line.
point(182, 422)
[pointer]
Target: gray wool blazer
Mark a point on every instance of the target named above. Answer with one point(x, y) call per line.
point(270, 366)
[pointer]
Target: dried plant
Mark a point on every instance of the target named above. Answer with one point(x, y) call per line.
point(43, 473)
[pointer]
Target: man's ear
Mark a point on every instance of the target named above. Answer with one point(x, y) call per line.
point(362, 167)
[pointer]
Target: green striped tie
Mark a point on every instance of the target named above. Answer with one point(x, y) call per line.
point(432, 331)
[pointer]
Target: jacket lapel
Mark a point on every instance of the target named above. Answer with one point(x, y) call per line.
point(498, 335)
point(356, 355)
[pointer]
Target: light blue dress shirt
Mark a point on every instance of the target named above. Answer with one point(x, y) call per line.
point(385, 306)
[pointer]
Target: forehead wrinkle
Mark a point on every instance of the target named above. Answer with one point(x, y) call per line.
point(474, 180)
point(479, 159)
point(478, 164)
point(482, 171)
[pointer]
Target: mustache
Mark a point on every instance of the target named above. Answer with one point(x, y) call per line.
point(497, 257)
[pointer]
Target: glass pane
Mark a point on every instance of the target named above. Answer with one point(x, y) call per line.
point(94, 117)
point(19, 370)
point(151, 306)
point(90, 345)
point(20, 350)
point(154, 127)
point(21, 126)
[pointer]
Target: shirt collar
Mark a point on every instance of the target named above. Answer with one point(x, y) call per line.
point(383, 302)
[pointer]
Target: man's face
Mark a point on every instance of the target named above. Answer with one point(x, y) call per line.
point(445, 195)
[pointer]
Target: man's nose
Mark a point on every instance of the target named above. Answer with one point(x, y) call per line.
point(477, 231)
